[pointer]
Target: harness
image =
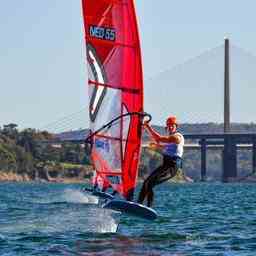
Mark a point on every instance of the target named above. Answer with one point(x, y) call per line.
point(176, 160)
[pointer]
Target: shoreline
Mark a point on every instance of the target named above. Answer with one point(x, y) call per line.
point(13, 177)
point(8, 176)
point(24, 178)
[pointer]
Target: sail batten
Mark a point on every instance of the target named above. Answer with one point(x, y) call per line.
point(117, 44)
point(123, 88)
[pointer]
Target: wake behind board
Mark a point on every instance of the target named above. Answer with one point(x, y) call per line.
point(128, 207)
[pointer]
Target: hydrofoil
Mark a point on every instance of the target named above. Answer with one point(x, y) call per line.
point(98, 193)
point(131, 208)
point(123, 206)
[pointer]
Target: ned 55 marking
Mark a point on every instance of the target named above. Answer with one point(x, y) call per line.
point(102, 33)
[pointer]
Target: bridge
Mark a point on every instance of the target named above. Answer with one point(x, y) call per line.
point(215, 74)
point(228, 143)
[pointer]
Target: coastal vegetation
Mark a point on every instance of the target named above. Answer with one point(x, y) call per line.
point(32, 155)
point(39, 155)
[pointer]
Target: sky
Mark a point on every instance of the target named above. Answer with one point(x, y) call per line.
point(42, 54)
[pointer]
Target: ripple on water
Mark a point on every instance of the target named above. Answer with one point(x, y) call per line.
point(197, 219)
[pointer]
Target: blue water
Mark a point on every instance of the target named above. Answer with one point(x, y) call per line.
point(195, 219)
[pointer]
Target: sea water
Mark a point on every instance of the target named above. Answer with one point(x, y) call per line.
point(194, 219)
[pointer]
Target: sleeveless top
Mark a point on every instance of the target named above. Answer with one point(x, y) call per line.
point(173, 149)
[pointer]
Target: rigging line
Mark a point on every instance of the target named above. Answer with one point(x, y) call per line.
point(170, 69)
point(245, 51)
point(69, 126)
point(69, 123)
point(63, 122)
point(63, 118)
point(66, 128)
point(67, 117)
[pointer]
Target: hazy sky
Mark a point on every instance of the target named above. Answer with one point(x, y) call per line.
point(42, 52)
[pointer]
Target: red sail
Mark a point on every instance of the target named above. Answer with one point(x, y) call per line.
point(115, 91)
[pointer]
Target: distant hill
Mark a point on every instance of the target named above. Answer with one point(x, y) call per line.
point(185, 128)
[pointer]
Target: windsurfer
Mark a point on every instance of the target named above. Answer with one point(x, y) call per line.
point(171, 147)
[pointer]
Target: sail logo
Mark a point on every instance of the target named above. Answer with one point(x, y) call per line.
point(102, 144)
point(96, 74)
point(114, 179)
point(102, 33)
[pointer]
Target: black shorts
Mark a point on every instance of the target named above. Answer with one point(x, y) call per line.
point(165, 171)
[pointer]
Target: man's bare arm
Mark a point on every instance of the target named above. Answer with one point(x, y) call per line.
point(175, 138)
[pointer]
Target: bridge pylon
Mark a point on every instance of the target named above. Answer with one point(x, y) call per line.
point(229, 152)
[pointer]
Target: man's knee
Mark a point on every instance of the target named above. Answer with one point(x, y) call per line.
point(148, 185)
point(149, 180)
point(173, 171)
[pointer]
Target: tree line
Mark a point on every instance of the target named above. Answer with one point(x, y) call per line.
point(31, 152)
point(38, 155)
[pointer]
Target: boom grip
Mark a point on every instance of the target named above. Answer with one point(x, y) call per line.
point(147, 115)
point(142, 114)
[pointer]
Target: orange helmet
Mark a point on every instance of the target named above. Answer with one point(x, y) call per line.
point(171, 120)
